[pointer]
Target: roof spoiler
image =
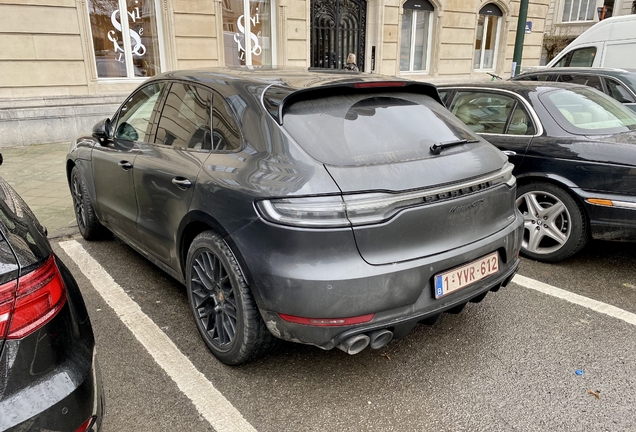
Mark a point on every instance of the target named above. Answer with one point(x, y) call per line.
point(277, 97)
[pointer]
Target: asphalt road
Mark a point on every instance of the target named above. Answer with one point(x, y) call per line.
point(507, 363)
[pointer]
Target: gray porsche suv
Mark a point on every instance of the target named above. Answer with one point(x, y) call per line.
point(332, 209)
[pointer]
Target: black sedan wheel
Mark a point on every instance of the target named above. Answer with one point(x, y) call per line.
point(555, 226)
point(223, 307)
point(87, 222)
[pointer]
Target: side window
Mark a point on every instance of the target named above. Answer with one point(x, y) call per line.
point(483, 112)
point(133, 123)
point(185, 119)
point(520, 123)
point(442, 95)
point(586, 80)
point(583, 57)
point(618, 91)
point(541, 77)
point(565, 60)
point(225, 131)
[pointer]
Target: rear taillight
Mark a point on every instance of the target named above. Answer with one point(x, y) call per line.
point(30, 303)
point(87, 424)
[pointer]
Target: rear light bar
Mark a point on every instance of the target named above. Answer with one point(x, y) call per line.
point(31, 301)
point(338, 211)
point(327, 322)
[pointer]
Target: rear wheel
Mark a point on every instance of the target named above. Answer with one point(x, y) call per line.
point(87, 222)
point(223, 307)
point(555, 225)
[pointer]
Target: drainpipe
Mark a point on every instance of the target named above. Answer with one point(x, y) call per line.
point(521, 31)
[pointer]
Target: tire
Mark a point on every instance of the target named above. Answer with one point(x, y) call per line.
point(89, 226)
point(555, 226)
point(222, 305)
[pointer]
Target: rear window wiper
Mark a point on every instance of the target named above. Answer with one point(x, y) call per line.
point(437, 148)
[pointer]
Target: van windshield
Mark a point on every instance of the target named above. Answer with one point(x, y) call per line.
point(372, 128)
point(585, 111)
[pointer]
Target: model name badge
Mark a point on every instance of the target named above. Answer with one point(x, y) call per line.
point(458, 209)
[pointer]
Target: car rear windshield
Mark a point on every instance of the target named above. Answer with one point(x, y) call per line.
point(584, 111)
point(372, 128)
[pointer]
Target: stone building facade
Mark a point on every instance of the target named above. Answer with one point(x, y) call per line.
point(66, 63)
point(572, 17)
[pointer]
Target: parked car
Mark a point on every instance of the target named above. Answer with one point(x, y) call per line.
point(574, 153)
point(617, 83)
point(49, 379)
point(608, 43)
point(330, 209)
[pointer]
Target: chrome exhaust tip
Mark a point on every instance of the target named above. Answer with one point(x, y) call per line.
point(380, 338)
point(354, 344)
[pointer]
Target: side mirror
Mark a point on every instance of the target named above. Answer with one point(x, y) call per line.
point(102, 131)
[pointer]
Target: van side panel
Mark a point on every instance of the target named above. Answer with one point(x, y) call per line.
point(620, 55)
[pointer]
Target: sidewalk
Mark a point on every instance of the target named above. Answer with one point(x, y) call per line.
point(37, 173)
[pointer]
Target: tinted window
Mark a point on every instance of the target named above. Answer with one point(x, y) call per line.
point(520, 123)
point(185, 119)
point(225, 131)
point(586, 80)
point(542, 77)
point(371, 128)
point(583, 57)
point(618, 91)
point(584, 111)
point(483, 112)
point(134, 117)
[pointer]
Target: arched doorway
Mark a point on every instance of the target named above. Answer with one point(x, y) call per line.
point(338, 27)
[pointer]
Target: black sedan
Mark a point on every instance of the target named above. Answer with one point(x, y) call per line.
point(331, 209)
point(574, 151)
point(617, 83)
point(49, 378)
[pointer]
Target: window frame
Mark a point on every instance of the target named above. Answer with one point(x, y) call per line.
point(429, 40)
point(125, 31)
point(532, 115)
point(578, 12)
point(496, 47)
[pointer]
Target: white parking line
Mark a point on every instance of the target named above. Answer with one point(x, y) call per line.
point(595, 305)
point(210, 403)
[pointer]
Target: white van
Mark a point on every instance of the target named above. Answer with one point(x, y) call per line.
point(609, 43)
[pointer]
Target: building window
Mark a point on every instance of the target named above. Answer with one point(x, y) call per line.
point(487, 40)
point(415, 45)
point(258, 49)
point(128, 47)
point(578, 10)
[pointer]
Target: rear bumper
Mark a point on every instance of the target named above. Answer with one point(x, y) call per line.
point(321, 275)
point(38, 407)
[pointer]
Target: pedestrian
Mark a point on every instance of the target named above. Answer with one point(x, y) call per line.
point(351, 63)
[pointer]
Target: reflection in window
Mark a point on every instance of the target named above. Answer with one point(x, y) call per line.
point(415, 35)
point(112, 58)
point(226, 134)
point(134, 116)
point(487, 38)
point(260, 33)
point(185, 119)
point(619, 92)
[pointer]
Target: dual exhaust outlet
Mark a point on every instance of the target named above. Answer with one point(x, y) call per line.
point(357, 343)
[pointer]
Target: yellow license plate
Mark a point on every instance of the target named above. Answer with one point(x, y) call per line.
point(468, 274)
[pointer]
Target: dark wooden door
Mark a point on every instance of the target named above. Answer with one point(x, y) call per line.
point(338, 27)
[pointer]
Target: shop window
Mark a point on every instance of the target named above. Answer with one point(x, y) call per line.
point(578, 10)
point(487, 39)
point(415, 44)
point(125, 45)
point(248, 39)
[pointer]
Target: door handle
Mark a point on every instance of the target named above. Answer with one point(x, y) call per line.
point(125, 165)
point(509, 152)
point(181, 182)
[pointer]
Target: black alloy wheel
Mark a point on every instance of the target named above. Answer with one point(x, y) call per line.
point(87, 222)
point(222, 304)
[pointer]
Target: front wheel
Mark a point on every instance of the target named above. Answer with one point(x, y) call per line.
point(555, 226)
point(223, 307)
